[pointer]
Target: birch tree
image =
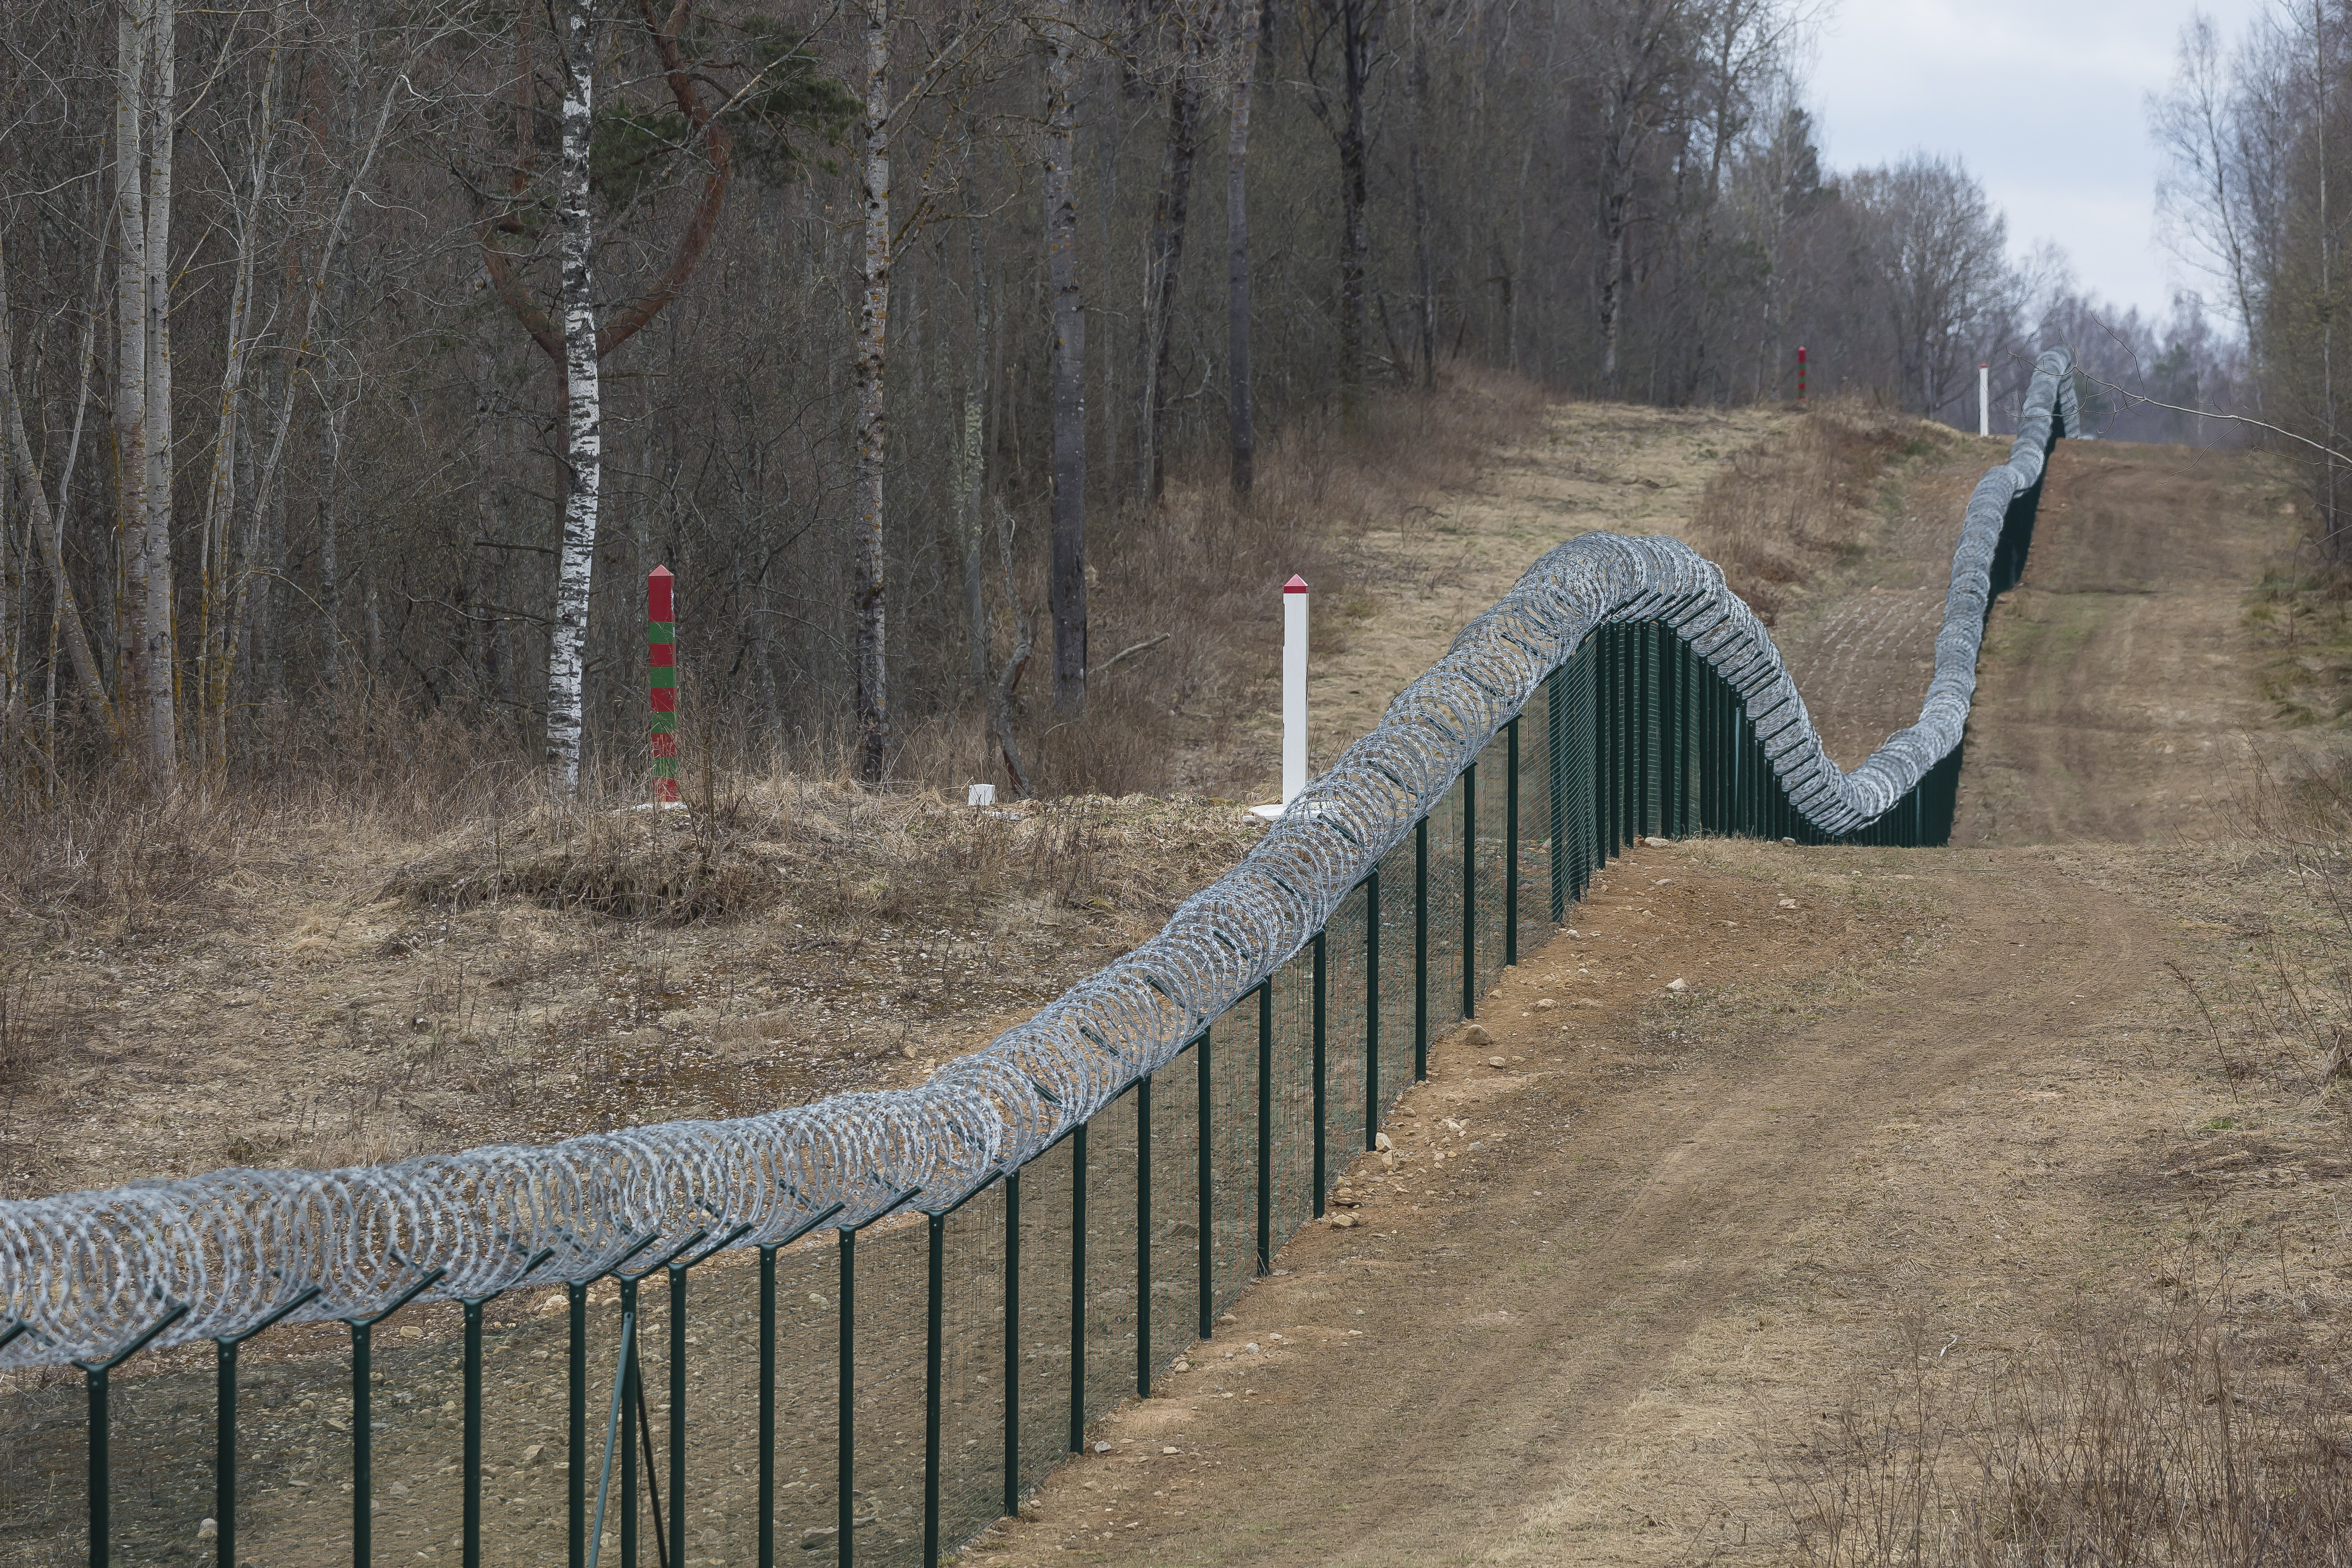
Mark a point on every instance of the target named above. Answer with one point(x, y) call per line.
point(582, 406)
point(144, 110)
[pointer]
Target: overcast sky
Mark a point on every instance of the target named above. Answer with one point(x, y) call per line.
point(2044, 98)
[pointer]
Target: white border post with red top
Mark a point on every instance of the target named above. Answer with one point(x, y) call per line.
point(1294, 697)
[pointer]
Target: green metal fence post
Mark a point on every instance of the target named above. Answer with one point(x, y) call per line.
point(1203, 1190)
point(1421, 949)
point(1511, 844)
point(1470, 890)
point(768, 1404)
point(1078, 1286)
point(1143, 1237)
point(844, 1429)
point(1265, 1124)
point(1371, 1006)
point(363, 1418)
point(631, 1399)
point(470, 1549)
point(934, 1356)
point(1322, 996)
point(1556, 788)
point(1012, 1341)
point(845, 1512)
point(224, 1426)
point(575, 1466)
point(95, 1375)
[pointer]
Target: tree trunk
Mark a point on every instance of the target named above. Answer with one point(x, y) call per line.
point(1359, 38)
point(974, 480)
point(1425, 274)
point(1069, 373)
point(873, 342)
point(1244, 44)
point(133, 22)
point(1162, 264)
point(159, 676)
point(583, 410)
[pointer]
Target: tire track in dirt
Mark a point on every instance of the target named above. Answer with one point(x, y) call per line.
point(1512, 1339)
point(2116, 700)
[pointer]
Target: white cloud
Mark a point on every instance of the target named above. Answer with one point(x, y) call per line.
point(2044, 100)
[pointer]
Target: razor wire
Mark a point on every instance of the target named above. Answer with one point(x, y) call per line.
point(84, 1275)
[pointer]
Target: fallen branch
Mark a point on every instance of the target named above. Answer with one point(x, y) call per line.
point(1145, 647)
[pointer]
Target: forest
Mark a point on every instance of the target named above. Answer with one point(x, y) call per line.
point(361, 361)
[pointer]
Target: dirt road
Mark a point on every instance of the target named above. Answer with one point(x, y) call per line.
point(1914, 1108)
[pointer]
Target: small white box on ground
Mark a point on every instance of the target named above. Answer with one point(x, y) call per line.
point(980, 795)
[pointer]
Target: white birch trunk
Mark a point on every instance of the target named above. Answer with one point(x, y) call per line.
point(583, 413)
point(873, 324)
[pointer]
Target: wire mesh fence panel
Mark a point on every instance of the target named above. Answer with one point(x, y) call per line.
point(1533, 830)
point(1442, 915)
point(1112, 1252)
point(1174, 1217)
point(43, 1501)
point(416, 1417)
point(1489, 881)
point(1047, 1191)
point(1291, 1166)
point(1346, 975)
point(160, 1484)
point(890, 1403)
point(716, 1491)
point(972, 1367)
point(291, 1467)
point(1232, 1152)
point(1395, 1056)
point(807, 1395)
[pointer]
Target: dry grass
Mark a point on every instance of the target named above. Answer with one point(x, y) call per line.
point(2167, 1436)
point(1804, 500)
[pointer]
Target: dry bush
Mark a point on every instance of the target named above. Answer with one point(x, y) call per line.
point(377, 769)
point(33, 1020)
point(2160, 1437)
point(2287, 1019)
point(1804, 499)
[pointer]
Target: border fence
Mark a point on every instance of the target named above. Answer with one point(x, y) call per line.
point(868, 1327)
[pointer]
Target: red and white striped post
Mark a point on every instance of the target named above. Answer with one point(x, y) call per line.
point(1800, 373)
point(661, 648)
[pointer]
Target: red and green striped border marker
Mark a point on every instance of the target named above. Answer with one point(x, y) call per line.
point(661, 647)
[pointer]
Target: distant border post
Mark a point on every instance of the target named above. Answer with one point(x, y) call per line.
point(661, 651)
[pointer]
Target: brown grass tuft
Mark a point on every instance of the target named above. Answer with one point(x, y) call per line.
point(2164, 1435)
